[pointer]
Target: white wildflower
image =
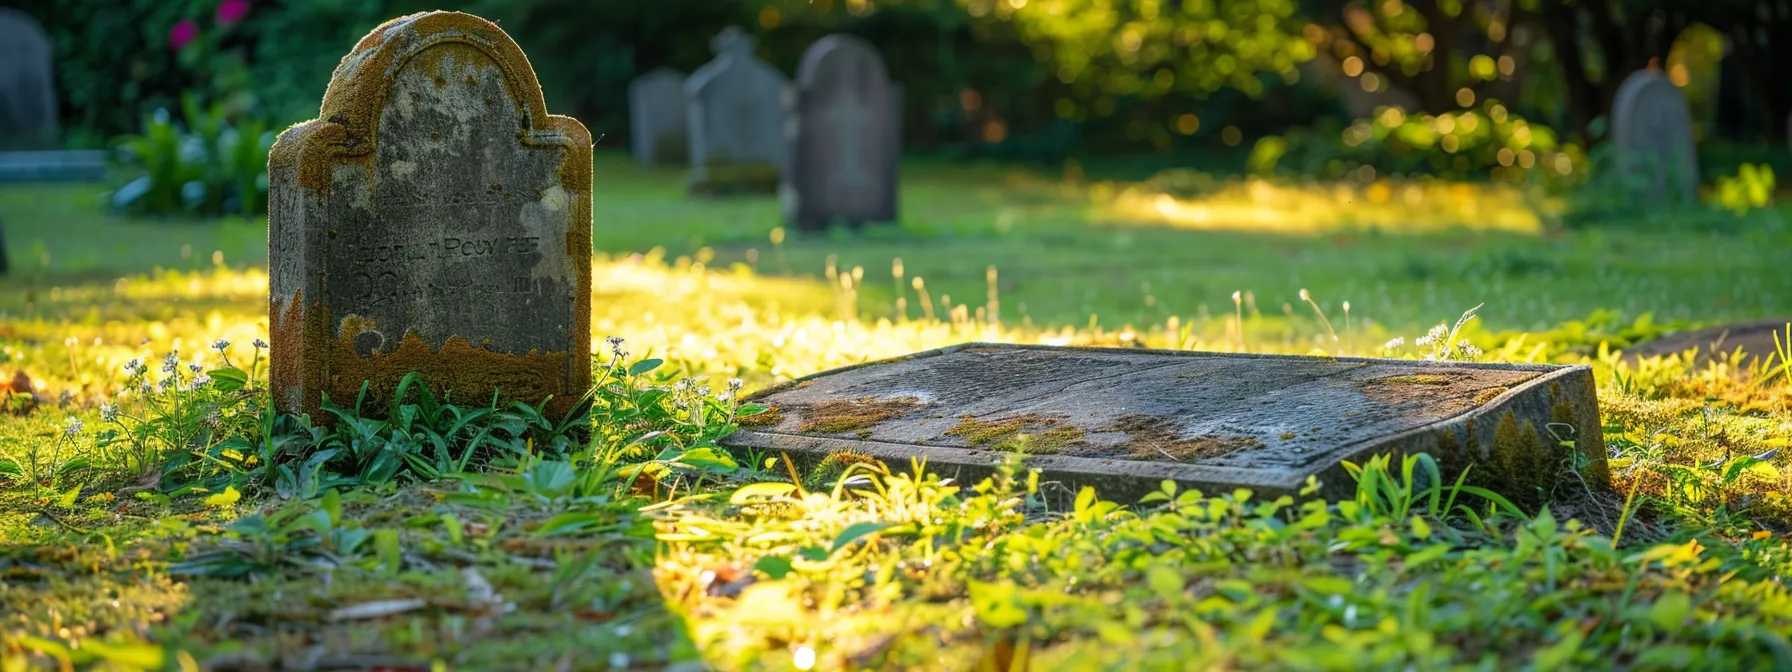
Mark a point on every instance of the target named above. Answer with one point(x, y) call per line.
point(1395, 344)
point(170, 363)
point(220, 345)
point(260, 344)
point(74, 427)
point(201, 380)
point(734, 384)
point(109, 412)
point(131, 367)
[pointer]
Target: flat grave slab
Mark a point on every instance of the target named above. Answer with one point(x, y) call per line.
point(1124, 420)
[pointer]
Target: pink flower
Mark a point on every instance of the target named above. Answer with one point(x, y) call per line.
point(183, 33)
point(232, 11)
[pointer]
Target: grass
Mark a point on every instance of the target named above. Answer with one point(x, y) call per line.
point(183, 527)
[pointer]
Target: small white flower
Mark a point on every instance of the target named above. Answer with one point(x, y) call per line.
point(1394, 344)
point(725, 397)
point(1469, 350)
point(213, 419)
point(193, 368)
point(734, 384)
point(220, 344)
point(132, 366)
point(260, 344)
point(170, 363)
point(1423, 341)
point(684, 385)
point(109, 412)
point(201, 380)
point(702, 390)
point(74, 427)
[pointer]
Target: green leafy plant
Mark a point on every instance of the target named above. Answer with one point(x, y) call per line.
point(206, 166)
point(1750, 188)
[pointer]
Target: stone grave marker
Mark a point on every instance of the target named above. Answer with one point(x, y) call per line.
point(27, 84)
point(1123, 420)
point(845, 137)
point(657, 117)
point(736, 126)
point(1652, 132)
point(433, 218)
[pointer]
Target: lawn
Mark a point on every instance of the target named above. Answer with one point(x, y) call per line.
point(176, 525)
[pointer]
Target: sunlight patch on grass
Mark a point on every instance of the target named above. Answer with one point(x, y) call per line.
point(1265, 206)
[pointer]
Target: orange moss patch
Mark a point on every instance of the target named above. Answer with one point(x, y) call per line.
point(835, 417)
point(306, 364)
point(1155, 439)
point(771, 416)
point(1490, 394)
point(1042, 435)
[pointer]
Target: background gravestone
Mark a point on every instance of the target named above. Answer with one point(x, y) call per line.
point(1652, 131)
point(656, 118)
point(433, 218)
point(27, 84)
point(845, 137)
point(736, 108)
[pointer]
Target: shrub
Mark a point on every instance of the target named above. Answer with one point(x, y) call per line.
point(1488, 140)
point(206, 167)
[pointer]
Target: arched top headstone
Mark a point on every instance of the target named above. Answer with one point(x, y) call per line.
point(347, 123)
point(842, 57)
point(1652, 130)
point(434, 218)
point(27, 83)
point(845, 137)
point(656, 122)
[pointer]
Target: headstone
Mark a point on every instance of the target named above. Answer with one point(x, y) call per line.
point(27, 84)
point(736, 109)
point(1652, 133)
point(656, 118)
point(845, 137)
point(433, 218)
point(1124, 420)
point(1757, 340)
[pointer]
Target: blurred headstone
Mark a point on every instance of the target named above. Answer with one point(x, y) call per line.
point(736, 128)
point(27, 84)
point(1652, 133)
point(433, 218)
point(656, 118)
point(845, 137)
point(80, 165)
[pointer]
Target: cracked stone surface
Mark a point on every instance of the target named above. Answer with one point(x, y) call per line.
point(1124, 420)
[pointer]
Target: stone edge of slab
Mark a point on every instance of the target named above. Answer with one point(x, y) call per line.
point(1130, 479)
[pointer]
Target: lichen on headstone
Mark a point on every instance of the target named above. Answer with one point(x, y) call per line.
point(433, 218)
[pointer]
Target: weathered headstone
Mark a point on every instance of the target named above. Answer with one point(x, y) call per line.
point(433, 218)
point(845, 139)
point(27, 84)
point(1125, 420)
point(1652, 133)
point(736, 128)
point(657, 118)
